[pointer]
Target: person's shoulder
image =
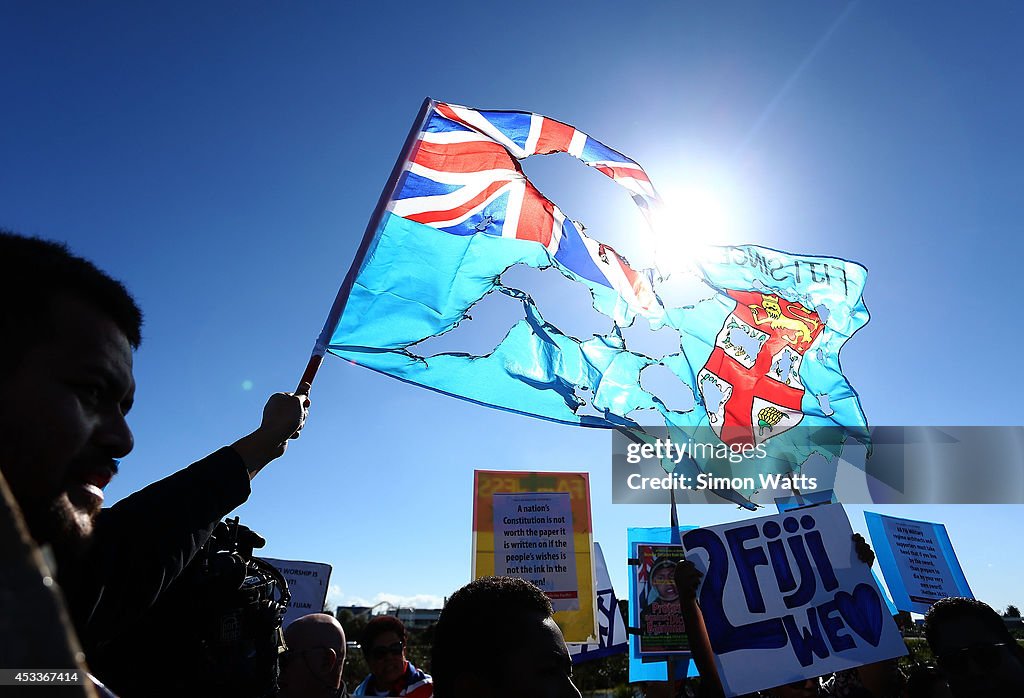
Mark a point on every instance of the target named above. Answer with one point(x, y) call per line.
point(419, 683)
point(423, 689)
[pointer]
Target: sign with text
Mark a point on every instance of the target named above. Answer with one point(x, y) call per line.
point(785, 597)
point(307, 582)
point(533, 540)
point(657, 600)
point(513, 509)
point(917, 561)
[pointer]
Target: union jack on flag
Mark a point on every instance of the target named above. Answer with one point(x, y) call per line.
point(463, 177)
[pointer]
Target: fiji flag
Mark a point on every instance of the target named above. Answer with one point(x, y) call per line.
point(760, 353)
point(458, 212)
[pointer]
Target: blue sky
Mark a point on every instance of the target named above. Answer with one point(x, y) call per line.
point(223, 158)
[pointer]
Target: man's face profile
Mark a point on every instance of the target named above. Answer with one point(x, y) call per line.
point(539, 666)
point(62, 421)
point(976, 661)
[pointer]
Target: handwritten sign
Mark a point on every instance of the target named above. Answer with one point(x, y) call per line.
point(784, 598)
point(307, 582)
point(917, 561)
point(490, 489)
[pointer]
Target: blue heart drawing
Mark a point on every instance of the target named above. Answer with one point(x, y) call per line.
point(862, 611)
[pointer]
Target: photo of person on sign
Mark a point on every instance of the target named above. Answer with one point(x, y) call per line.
point(663, 583)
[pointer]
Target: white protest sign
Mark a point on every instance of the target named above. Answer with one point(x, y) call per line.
point(917, 561)
point(611, 635)
point(533, 540)
point(307, 582)
point(784, 598)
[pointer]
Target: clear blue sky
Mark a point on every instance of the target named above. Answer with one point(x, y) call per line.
point(223, 158)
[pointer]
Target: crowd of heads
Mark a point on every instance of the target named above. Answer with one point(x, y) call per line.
point(66, 386)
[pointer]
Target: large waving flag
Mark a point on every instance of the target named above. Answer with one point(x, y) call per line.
point(459, 213)
point(760, 354)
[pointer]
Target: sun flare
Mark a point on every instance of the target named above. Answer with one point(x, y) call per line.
point(693, 217)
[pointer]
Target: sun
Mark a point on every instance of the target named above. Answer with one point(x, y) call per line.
point(693, 217)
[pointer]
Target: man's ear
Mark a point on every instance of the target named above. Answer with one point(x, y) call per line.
point(330, 659)
point(471, 686)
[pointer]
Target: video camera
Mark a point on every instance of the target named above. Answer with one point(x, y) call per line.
point(216, 631)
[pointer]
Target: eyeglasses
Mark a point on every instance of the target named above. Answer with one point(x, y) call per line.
point(988, 656)
point(381, 651)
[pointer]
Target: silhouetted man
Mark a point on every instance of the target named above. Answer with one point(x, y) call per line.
point(311, 666)
point(67, 332)
point(496, 639)
point(974, 649)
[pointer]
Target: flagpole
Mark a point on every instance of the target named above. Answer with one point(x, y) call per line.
point(320, 347)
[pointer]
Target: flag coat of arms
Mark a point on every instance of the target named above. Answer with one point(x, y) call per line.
point(760, 354)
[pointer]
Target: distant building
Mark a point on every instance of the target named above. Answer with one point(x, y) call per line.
point(412, 618)
point(417, 618)
point(354, 610)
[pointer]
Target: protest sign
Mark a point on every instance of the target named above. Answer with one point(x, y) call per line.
point(611, 633)
point(648, 668)
point(539, 517)
point(917, 561)
point(307, 583)
point(660, 619)
point(784, 598)
point(533, 540)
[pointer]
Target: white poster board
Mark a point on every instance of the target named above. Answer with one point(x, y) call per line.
point(533, 540)
point(611, 634)
point(307, 582)
point(784, 598)
point(917, 561)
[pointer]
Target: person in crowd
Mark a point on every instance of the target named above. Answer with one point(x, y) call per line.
point(391, 674)
point(313, 662)
point(66, 386)
point(496, 639)
point(974, 649)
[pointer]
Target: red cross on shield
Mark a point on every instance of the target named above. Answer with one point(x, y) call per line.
point(751, 382)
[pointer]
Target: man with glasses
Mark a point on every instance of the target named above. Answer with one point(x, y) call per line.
point(311, 666)
point(974, 649)
point(391, 674)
